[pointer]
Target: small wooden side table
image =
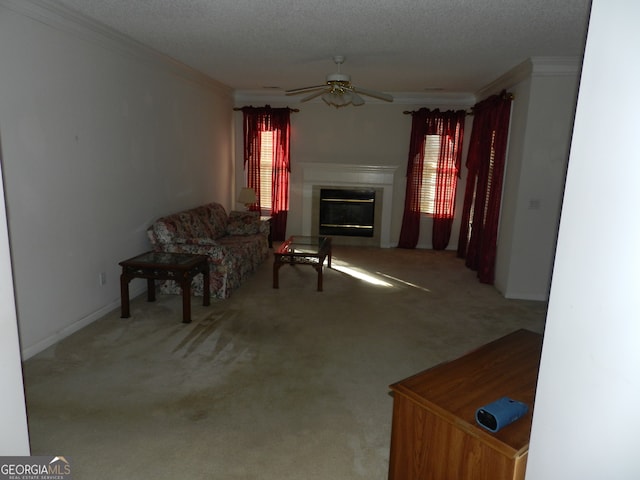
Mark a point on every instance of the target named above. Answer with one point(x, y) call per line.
point(434, 434)
point(180, 267)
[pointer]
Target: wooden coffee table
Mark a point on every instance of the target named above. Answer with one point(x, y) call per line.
point(302, 250)
point(180, 267)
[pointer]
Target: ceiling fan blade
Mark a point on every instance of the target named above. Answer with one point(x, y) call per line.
point(296, 91)
point(356, 100)
point(313, 95)
point(372, 93)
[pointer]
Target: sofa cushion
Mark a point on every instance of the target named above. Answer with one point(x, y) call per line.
point(215, 216)
point(243, 223)
point(201, 225)
point(193, 224)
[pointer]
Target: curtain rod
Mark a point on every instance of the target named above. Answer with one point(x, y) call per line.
point(505, 95)
point(239, 109)
point(411, 112)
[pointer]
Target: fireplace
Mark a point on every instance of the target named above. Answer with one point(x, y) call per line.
point(347, 212)
point(333, 176)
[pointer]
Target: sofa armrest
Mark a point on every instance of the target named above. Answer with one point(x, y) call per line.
point(243, 223)
point(265, 225)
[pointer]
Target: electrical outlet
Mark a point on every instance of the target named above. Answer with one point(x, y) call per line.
point(102, 278)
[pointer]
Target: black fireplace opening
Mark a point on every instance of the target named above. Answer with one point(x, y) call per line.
point(347, 212)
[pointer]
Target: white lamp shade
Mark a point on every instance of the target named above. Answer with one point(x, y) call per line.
point(247, 196)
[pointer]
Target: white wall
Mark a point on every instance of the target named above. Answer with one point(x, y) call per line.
point(586, 418)
point(376, 133)
point(100, 137)
point(14, 437)
point(541, 123)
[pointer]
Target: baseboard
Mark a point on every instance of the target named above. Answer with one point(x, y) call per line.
point(75, 326)
point(527, 296)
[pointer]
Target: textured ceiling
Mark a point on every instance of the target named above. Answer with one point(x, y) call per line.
point(389, 45)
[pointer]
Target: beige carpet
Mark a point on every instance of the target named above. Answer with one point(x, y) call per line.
point(269, 384)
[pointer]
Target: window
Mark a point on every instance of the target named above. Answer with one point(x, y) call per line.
point(266, 169)
point(266, 162)
point(432, 146)
point(435, 151)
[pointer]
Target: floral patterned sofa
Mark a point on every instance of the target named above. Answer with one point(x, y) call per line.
point(236, 244)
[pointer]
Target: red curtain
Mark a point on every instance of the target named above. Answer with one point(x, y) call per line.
point(483, 193)
point(449, 126)
point(276, 120)
point(448, 172)
point(411, 218)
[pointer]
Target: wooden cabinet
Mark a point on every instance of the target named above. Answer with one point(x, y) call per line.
point(434, 434)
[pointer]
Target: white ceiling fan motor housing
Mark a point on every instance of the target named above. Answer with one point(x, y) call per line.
point(338, 77)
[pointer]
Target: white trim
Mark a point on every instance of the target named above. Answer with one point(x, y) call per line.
point(77, 325)
point(555, 66)
point(272, 96)
point(532, 67)
point(535, 297)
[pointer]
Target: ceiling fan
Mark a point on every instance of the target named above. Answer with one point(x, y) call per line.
point(338, 90)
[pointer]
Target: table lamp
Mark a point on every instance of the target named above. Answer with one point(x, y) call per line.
point(247, 196)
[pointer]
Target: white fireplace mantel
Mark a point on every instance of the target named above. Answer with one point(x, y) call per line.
point(342, 175)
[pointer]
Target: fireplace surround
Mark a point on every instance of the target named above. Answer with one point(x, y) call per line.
point(378, 178)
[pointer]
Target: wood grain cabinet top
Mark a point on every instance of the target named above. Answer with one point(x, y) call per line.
point(434, 431)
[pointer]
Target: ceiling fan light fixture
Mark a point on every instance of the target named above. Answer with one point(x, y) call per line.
point(337, 98)
point(338, 91)
point(327, 98)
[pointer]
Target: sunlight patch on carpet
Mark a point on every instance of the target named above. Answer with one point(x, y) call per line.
point(360, 275)
point(409, 284)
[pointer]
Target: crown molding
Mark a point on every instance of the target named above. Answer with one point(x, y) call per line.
point(452, 99)
point(64, 19)
point(461, 100)
point(533, 67)
point(555, 66)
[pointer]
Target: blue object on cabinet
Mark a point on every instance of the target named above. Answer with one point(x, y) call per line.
point(499, 414)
